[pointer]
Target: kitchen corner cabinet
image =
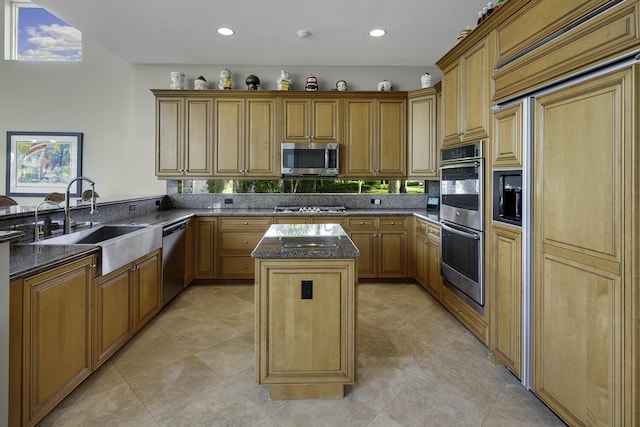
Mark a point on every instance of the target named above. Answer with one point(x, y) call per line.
point(205, 253)
point(506, 288)
point(506, 147)
point(184, 136)
point(422, 128)
point(375, 137)
point(245, 137)
point(56, 336)
point(427, 256)
point(309, 118)
point(466, 95)
point(382, 242)
point(236, 238)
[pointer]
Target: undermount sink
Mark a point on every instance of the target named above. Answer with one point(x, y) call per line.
point(119, 244)
point(315, 242)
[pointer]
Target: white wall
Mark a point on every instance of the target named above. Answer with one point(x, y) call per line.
point(109, 101)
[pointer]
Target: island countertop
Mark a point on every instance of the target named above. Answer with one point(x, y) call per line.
point(305, 241)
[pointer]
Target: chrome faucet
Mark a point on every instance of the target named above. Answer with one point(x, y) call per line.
point(36, 229)
point(67, 219)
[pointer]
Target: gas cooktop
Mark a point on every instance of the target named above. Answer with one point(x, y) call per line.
point(309, 209)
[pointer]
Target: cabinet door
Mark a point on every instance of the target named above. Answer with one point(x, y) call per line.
point(423, 142)
point(296, 120)
point(366, 262)
point(359, 134)
point(450, 105)
point(57, 335)
point(506, 149)
point(113, 315)
point(205, 256)
point(506, 312)
point(169, 136)
point(198, 153)
point(583, 251)
point(421, 261)
point(229, 137)
point(391, 144)
point(325, 120)
point(475, 100)
point(146, 289)
point(392, 254)
point(434, 278)
point(262, 157)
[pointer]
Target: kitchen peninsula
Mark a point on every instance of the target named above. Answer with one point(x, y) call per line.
point(305, 298)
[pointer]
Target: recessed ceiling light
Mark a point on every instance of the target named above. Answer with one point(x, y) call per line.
point(225, 31)
point(378, 32)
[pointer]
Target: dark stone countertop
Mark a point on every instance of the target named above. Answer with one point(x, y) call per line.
point(27, 260)
point(308, 241)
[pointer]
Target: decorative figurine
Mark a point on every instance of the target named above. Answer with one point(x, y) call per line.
point(425, 80)
point(312, 84)
point(252, 82)
point(200, 83)
point(284, 81)
point(341, 85)
point(385, 86)
point(225, 79)
point(177, 80)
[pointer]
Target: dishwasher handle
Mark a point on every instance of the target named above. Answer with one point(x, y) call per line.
point(174, 228)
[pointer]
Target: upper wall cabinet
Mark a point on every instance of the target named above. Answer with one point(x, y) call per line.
point(245, 137)
point(506, 147)
point(375, 137)
point(423, 134)
point(466, 94)
point(311, 119)
point(184, 137)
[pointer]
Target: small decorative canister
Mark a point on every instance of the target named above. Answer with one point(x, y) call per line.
point(341, 85)
point(225, 79)
point(284, 80)
point(312, 84)
point(177, 80)
point(385, 86)
point(252, 82)
point(200, 83)
point(425, 80)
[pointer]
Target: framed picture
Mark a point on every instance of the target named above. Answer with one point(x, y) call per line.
point(39, 163)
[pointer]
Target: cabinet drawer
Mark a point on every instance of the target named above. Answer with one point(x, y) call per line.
point(244, 223)
point(433, 231)
point(421, 227)
point(392, 223)
point(362, 223)
point(239, 241)
point(236, 266)
point(466, 315)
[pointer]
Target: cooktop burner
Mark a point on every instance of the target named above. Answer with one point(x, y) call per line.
point(309, 209)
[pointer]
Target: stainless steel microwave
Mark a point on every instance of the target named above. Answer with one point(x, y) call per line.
point(310, 159)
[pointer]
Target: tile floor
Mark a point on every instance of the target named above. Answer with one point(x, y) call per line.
point(193, 366)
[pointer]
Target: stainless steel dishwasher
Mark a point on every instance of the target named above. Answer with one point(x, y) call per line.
point(174, 241)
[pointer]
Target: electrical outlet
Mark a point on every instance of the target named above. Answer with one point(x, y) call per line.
point(132, 206)
point(228, 201)
point(375, 201)
point(158, 202)
point(306, 289)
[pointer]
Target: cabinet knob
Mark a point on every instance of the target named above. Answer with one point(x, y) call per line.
point(245, 242)
point(245, 266)
point(393, 223)
point(246, 223)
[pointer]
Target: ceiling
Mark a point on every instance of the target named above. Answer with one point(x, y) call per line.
point(419, 32)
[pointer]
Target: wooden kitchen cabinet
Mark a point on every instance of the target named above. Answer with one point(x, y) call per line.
point(466, 94)
point(147, 289)
point(184, 136)
point(56, 335)
point(427, 257)
point(375, 137)
point(423, 146)
point(382, 242)
point(585, 303)
point(236, 239)
point(305, 348)
point(205, 255)
point(506, 314)
point(506, 147)
point(309, 118)
point(245, 137)
point(113, 314)
point(189, 254)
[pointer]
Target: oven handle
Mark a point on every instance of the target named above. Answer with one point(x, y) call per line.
point(473, 236)
point(475, 163)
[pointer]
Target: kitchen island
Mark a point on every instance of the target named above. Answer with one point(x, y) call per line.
point(305, 297)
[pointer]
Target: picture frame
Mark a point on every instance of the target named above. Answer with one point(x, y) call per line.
point(39, 163)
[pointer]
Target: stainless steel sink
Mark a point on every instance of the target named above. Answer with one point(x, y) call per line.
point(119, 244)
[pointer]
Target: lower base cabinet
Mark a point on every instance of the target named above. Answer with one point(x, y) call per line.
point(56, 336)
point(471, 319)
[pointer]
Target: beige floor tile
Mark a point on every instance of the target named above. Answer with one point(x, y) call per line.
point(229, 357)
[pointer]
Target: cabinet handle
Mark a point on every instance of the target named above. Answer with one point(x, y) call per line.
point(245, 266)
point(92, 265)
point(246, 223)
point(245, 242)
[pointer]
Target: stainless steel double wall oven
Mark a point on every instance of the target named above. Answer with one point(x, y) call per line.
point(462, 221)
